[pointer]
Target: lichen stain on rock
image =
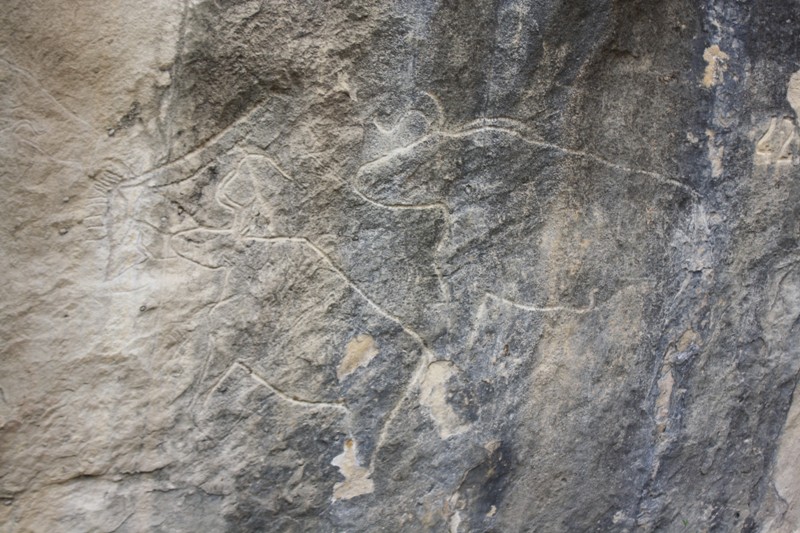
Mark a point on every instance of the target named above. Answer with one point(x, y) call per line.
point(359, 352)
point(433, 395)
point(356, 477)
point(715, 65)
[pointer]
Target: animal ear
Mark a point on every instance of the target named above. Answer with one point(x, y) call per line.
point(208, 248)
point(381, 138)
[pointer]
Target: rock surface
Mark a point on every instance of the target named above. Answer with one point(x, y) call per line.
point(487, 265)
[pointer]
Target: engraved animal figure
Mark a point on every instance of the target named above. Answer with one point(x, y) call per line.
point(504, 192)
point(298, 291)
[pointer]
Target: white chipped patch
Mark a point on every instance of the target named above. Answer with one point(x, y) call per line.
point(356, 477)
point(359, 352)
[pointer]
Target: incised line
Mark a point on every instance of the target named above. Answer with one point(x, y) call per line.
point(498, 126)
point(549, 309)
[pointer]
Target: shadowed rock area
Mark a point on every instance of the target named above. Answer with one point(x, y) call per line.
point(344, 266)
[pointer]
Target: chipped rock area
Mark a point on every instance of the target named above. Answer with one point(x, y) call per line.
point(487, 265)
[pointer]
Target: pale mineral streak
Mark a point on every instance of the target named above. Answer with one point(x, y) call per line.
point(418, 266)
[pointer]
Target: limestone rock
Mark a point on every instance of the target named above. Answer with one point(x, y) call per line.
point(416, 266)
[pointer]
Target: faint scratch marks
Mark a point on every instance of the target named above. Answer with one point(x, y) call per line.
point(186, 166)
point(106, 180)
point(28, 75)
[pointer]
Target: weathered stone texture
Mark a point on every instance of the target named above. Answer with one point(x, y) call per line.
point(486, 265)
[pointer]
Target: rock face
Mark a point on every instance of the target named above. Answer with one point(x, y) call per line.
point(486, 265)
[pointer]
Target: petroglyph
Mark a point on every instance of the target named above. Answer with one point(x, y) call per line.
point(265, 204)
point(428, 172)
point(363, 266)
point(256, 183)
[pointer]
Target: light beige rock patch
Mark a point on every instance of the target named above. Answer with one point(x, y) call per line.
point(715, 65)
point(433, 395)
point(779, 143)
point(455, 521)
point(793, 92)
point(356, 477)
point(782, 316)
point(787, 465)
point(775, 146)
point(665, 384)
point(715, 154)
point(359, 352)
